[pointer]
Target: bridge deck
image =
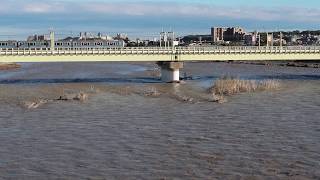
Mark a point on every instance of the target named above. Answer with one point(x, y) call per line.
point(211, 53)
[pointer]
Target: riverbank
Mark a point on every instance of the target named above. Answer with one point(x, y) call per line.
point(305, 64)
point(9, 66)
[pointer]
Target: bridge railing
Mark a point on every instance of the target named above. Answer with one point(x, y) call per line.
point(160, 50)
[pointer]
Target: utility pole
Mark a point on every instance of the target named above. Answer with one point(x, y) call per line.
point(281, 39)
point(170, 38)
point(162, 34)
point(52, 45)
point(165, 39)
point(259, 35)
point(267, 39)
point(173, 38)
point(160, 40)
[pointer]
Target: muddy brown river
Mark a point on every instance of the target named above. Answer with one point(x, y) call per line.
point(132, 126)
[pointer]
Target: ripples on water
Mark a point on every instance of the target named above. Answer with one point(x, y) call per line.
point(263, 135)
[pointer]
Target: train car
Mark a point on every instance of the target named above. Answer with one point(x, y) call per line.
point(63, 44)
point(8, 44)
point(33, 44)
point(88, 44)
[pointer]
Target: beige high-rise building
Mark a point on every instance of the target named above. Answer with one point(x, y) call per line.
point(220, 34)
point(269, 39)
point(217, 34)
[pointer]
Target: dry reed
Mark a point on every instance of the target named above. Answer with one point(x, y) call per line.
point(227, 86)
point(152, 92)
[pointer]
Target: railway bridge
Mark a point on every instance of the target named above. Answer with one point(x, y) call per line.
point(170, 59)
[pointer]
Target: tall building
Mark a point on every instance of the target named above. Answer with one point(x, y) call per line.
point(234, 34)
point(251, 39)
point(221, 34)
point(217, 34)
point(269, 39)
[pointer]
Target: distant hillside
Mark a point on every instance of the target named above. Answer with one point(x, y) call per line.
point(196, 38)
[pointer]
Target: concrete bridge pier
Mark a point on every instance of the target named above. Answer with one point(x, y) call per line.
point(170, 71)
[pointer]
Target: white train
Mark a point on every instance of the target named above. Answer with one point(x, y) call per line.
point(63, 44)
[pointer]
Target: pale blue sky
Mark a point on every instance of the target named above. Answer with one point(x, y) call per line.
point(309, 3)
point(147, 17)
point(257, 3)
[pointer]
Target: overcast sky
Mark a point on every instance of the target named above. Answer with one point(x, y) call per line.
point(147, 17)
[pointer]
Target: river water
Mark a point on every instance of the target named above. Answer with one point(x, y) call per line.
point(121, 132)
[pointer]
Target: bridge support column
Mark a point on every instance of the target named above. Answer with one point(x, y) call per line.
point(170, 71)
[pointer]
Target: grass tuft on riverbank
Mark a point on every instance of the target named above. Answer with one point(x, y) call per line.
point(228, 86)
point(9, 66)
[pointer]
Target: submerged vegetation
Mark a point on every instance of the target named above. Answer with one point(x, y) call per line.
point(228, 86)
point(223, 87)
point(65, 97)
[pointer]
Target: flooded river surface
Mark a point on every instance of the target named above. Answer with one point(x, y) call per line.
point(132, 126)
